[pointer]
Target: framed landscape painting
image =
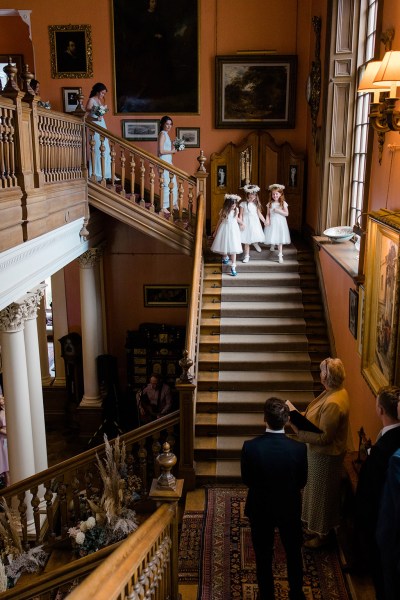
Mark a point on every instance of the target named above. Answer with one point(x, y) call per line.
point(156, 56)
point(255, 91)
point(380, 345)
point(140, 130)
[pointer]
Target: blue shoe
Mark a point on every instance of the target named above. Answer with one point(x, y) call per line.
point(233, 272)
point(225, 260)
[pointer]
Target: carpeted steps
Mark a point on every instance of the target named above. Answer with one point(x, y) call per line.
point(262, 333)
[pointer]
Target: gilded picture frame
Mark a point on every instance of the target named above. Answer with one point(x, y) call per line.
point(255, 91)
point(380, 345)
point(168, 296)
point(71, 52)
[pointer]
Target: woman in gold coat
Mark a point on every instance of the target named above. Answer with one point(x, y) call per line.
point(325, 453)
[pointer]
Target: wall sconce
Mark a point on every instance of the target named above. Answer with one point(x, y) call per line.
point(383, 77)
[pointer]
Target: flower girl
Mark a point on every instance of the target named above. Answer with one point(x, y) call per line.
point(251, 215)
point(276, 228)
point(227, 233)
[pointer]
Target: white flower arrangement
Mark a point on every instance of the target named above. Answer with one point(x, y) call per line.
point(179, 144)
point(251, 188)
point(99, 110)
point(276, 186)
point(80, 538)
point(232, 197)
point(90, 523)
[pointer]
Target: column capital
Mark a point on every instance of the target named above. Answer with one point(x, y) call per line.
point(88, 259)
point(31, 302)
point(12, 318)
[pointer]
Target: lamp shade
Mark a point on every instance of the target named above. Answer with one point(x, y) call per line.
point(367, 81)
point(389, 71)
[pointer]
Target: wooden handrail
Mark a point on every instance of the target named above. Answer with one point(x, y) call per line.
point(89, 456)
point(123, 569)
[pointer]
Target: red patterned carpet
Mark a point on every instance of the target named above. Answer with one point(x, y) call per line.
point(216, 553)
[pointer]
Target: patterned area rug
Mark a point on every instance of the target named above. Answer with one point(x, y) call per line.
point(216, 552)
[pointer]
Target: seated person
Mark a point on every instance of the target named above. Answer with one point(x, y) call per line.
point(154, 401)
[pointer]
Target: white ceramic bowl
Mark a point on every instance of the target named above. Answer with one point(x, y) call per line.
point(339, 234)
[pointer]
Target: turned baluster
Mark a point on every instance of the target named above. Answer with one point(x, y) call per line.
point(48, 496)
point(112, 159)
point(92, 144)
point(171, 192)
point(122, 160)
point(190, 204)
point(3, 146)
point(132, 175)
point(142, 176)
point(75, 484)
point(103, 160)
point(22, 508)
point(180, 198)
point(35, 502)
point(62, 496)
point(152, 179)
point(162, 186)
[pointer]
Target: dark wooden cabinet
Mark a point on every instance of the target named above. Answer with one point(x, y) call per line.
point(154, 348)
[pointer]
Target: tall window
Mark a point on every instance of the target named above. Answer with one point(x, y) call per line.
point(367, 40)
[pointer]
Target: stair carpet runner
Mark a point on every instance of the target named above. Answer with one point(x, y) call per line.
point(253, 344)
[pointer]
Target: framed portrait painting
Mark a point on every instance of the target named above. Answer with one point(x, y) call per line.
point(380, 346)
point(140, 130)
point(156, 63)
point(255, 91)
point(71, 51)
point(70, 98)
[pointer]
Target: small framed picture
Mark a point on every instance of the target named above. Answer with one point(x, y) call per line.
point(70, 98)
point(166, 295)
point(190, 135)
point(353, 312)
point(141, 130)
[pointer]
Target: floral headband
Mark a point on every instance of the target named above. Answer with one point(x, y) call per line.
point(250, 188)
point(276, 186)
point(234, 197)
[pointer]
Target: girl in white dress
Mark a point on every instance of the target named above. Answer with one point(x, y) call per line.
point(276, 227)
point(227, 233)
point(165, 151)
point(96, 100)
point(251, 215)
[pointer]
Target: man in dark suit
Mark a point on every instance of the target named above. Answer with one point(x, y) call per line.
point(274, 467)
point(371, 480)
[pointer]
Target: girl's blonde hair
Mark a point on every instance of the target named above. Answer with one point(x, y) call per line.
point(252, 189)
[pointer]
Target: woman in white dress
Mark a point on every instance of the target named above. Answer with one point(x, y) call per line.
point(227, 233)
point(276, 227)
point(251, 215)
point(94, 107)
point(165, 151)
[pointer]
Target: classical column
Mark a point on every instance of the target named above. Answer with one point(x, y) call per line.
point(30, 305)
point(90, 317)
point(60, 323)
point(43, 347)
point(16, 393)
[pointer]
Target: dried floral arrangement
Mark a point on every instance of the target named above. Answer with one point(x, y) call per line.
point(14, 560)
point(113, 517)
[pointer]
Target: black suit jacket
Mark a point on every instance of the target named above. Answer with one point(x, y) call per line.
point(372, 479)
point(274, 467)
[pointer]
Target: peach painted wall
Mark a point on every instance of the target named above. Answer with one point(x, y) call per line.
point(337, 284)
point(14, 39)
point(385, 178)
point(225, 27)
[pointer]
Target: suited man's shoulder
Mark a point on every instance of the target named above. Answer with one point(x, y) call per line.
point(275, 438)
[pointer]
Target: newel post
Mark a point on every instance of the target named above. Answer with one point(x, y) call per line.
point(186, 467)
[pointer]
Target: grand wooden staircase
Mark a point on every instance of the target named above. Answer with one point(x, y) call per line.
point(262, 333)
